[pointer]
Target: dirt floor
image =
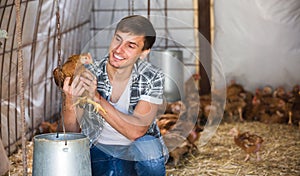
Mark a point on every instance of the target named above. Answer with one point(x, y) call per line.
point(280, 154)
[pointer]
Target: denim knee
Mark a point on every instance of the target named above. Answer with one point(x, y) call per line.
point(100, 162)
point(150, 160)
point(106, 165)
point(155, 167)
point(146, 148)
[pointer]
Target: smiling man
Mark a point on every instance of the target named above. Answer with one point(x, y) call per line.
point(125, 139)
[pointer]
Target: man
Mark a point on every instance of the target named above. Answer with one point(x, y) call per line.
point(125, 138)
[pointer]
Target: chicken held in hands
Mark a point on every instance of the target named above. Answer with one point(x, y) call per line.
point(72, 67)
point(250, 143)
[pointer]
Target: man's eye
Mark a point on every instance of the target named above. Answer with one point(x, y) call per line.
point(132, 46)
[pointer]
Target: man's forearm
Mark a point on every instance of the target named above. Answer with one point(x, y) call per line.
point(70, 120)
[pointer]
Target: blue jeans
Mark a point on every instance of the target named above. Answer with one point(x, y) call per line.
point(107, 164)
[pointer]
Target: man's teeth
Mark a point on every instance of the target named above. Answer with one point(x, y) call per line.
point(118, 57)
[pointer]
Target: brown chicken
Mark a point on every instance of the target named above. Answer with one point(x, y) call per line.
point(234, 88)
point(47, 127)
point(276, 117)
point(293, 106)
point(238, 101)
point(280, 92)
point(267, 91)
point(75, 66)
point(194, 112)
point(206, 107)
point(194, 135)
point(250, 143)
point(267, 106)
point(166, 122)
point(178, 146)
point(192, 85)
point(177, 107)
point(235, 105)
point(180, 151)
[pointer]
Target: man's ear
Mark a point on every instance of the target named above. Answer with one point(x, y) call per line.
point(144, 54)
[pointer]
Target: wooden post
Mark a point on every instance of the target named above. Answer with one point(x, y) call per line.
point(205, 52)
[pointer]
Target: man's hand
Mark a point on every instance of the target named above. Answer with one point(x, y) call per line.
point(89, 82)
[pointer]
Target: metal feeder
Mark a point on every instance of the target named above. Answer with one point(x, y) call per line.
point(65, 154)
point(171, 63)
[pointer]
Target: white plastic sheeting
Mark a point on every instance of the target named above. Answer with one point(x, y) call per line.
point(258, 41)
point(81, 23)
point(40, 58)
point(173, 21)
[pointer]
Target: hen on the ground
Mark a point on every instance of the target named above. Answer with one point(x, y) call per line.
point(250, 143)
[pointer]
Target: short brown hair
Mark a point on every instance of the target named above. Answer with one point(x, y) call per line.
point(138, 25)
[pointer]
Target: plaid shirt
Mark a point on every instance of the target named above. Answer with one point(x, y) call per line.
point(147, 84)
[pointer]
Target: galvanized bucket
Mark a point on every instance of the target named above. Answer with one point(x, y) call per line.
point(170, 61)
point(61, 154)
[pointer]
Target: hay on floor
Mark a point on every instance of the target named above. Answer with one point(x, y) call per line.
point(280, 154)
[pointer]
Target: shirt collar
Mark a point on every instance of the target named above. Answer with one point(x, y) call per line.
point(135, 71)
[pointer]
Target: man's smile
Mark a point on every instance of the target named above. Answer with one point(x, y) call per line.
point(118, 57)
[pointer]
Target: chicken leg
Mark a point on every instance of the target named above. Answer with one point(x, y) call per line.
point(257, 156)
point(97, 106)
point(247, 157)
point(241, 114)
point(290, 118)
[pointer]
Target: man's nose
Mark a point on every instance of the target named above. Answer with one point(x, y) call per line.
point(120, 47)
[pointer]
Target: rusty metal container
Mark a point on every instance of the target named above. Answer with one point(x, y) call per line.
point(63, 154)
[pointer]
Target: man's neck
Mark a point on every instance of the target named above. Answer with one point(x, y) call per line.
point(118, 74)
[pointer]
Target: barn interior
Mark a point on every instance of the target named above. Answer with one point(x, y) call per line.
point(228, 64)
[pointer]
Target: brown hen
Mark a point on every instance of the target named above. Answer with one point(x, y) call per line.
point(250, 143)
point(293, 106)
point(166, 122)
point(177, 107)
point(47, 127)
point(234, 88)
point(235, 104)
point(75, 66)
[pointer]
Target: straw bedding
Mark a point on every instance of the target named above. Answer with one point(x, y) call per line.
point(280, 154)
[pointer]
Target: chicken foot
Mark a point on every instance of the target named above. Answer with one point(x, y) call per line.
point(97, 106)
point(241, 114)
point(290, 118)
point(257, 156)
point(247, 157)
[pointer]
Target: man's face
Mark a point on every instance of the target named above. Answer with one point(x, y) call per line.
point(125, 49)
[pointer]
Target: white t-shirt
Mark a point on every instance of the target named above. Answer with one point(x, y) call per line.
point(109, 135)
